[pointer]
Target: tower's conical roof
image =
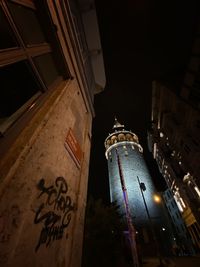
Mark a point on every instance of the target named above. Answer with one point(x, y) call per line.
point(117, 125)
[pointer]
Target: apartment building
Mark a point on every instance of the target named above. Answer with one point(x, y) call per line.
point(174, 140)
point(51, 65)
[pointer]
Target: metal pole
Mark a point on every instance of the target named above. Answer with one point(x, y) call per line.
point(128, 215)
point(143, 188)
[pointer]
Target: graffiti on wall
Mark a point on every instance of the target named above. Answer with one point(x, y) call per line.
point(54, 213)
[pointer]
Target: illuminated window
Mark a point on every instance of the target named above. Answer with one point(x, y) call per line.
point(161, 134)
point(173, 153)
point(188, 178)
point(197, 191)
point(154, 150)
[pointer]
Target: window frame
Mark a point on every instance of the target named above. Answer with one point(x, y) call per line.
point(22, 52)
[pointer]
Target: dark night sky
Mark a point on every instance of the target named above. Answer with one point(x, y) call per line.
point(141, 41)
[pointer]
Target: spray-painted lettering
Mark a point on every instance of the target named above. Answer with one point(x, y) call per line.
point(54, 212)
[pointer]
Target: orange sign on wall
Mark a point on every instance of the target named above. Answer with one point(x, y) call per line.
point(73, 145)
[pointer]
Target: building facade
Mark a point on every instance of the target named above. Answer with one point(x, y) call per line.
point(128, 173)
point(51, 66)
point(175, 144)
point(182, 242)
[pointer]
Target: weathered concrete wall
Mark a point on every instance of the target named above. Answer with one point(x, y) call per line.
point(44, 195)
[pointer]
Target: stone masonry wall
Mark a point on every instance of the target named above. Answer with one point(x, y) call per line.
point(43, 201)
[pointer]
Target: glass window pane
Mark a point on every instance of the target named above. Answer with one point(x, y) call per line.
point(18, 85)
point(47, 68)
point(27, 21)
point(7, 39)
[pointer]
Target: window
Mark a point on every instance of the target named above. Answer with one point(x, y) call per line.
point(17, 90)
point(46, 68)
point(26, 19)
point(30, 59)
point(7, 37)
point(169, 194)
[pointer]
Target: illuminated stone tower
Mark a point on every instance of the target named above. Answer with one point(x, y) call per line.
point(125, 162)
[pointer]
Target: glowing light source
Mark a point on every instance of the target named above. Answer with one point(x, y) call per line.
point(154, 150)
point(161, 134)
point(197, 190)
point(163, 229)
point(157, 198)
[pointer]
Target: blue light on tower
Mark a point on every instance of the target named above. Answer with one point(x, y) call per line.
point(123, 148)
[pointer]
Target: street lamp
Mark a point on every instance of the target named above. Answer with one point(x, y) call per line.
point(157, 199)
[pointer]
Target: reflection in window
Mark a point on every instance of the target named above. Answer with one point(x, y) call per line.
point(47, 68)
point(7, 37)
point(28, 24)
point(17, 86)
